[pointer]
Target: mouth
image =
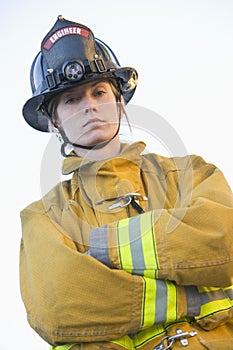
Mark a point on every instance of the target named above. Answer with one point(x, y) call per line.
point(93, 121)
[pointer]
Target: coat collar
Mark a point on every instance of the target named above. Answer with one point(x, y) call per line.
point(74, 163)
point(109, 178)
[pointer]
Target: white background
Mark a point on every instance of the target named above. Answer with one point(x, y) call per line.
point(183, 52)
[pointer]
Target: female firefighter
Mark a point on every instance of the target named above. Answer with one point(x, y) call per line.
point(135, 251)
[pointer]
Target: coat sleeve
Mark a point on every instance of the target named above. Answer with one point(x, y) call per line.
point(190, 243)
point(71, 297)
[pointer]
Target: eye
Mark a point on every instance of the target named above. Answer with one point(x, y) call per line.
point(69, 100)
point(72, 99)
point(100, 92)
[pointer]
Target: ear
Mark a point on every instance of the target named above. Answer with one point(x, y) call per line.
point(56, 122)
point(54, 125)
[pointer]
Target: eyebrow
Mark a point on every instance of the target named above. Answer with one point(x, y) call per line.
point(91, 85)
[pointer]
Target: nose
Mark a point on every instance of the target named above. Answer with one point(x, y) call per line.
point(88, 103)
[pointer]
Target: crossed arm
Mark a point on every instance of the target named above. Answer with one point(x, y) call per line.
point(69, 296)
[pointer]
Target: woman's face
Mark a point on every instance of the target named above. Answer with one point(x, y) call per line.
point(88, 114)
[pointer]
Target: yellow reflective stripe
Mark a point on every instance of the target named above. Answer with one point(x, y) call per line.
point(203, 289)
point(214, 306)
point(228, 288)
point(160, 302)
point(171, 302)
point(148, 242)
point(123, 239)
point(62, 347)
point(214, 300)
point(126, 342)
point(147, 335)
point(137, 245)
point(149, 302)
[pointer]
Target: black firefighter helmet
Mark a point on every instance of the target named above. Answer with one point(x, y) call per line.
point(71, 55)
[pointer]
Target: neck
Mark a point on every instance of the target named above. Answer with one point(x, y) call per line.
point(111, 149)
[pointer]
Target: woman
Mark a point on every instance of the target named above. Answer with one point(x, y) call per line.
point(135, 251)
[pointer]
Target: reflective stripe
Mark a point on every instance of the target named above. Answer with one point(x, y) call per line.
point(62, 347)
point(148, 335)
point(160, 302)
point(148, 241)
point(214, 300)
point(193, 301)
point(137, 246)
point(213, 307)
point(126, 342)
point(229, 293)
point(160, 299)
point(140, 339)
point(98, 241)
point(149, 302)
point(171, 302)
point(123, 239)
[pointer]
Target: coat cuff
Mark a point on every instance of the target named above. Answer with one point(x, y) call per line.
point(166, 302)
point(128, 244)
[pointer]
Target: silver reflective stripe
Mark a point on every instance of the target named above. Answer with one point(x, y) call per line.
point(207, 297)
point(161, 302)
point(229, 293)
point(136, 245)
point(98, 241)
point(193, 301)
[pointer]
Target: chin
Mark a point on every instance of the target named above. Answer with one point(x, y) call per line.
point(96, 142)
point(96, 139)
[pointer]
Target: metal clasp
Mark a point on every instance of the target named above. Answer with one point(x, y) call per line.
point(126, 199)
point(167, 342)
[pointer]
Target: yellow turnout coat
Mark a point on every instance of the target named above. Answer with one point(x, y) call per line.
point(96, 274)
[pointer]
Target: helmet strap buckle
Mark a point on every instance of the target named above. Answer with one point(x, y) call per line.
point(53, 79)
point(100, 65)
